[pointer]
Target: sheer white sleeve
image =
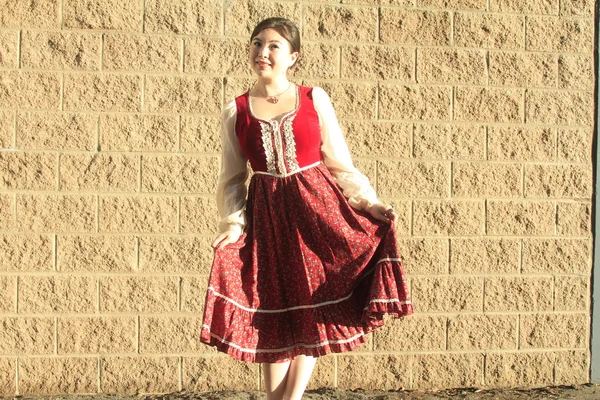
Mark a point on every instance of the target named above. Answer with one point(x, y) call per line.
point(336, 156)
point(231, 185)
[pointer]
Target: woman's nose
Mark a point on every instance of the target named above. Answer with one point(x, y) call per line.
point(264, 51)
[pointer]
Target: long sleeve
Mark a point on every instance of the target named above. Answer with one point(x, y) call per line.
point(231, 185)
point(336, 156)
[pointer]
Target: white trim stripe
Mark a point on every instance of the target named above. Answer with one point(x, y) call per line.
point(254, 351)
point(289, 173)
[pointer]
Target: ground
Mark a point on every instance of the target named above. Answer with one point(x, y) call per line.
point(580, 392)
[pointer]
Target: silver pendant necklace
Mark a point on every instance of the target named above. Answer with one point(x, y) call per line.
point(274, 99)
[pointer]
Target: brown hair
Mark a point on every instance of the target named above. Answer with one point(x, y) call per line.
point(285, 28)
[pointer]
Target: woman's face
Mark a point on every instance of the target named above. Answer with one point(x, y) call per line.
point(270, 54)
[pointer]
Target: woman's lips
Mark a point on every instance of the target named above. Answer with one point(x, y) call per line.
point(262, 64)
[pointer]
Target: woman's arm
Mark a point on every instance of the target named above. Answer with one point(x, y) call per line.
point(336, 156)
point(231, 185)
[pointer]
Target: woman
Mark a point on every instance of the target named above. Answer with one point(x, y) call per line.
point(306, 262)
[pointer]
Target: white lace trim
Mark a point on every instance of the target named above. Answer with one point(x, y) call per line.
point(268, 146)
point(290, 144)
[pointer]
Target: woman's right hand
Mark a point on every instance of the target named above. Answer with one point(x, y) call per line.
point(225, 238)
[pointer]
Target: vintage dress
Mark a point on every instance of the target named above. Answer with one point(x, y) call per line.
point(312, 272)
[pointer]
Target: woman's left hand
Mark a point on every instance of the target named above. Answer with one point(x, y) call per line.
point(383, 213)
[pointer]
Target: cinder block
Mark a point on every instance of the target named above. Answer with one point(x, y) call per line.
point(7, 128)
point(9, 40)
point(471, 5)
point(403, 209)
point(519, 369)
point(7, 212)
point(482, 332)
point(511, 294)
point(380, 372)
point(558, 107)
point(242, 16)
point(152, 53)
point(449, 141)
point(414, 102)
point(544, 331)
point(485, 179)
point(8, 370)
point(451, 66)
point(39, 15)
point(571, 293)
point(378, 139)
point(30, 89)
point(139, 375)
point(107, 92)
point(353, 100)
point(329, 22)
point(575, 145)
point(175, 254)
point(27, 336)
point(95, 253)
point(182, 94)
point(236, 86)
point(554, 34)
point(415, 27)
point(56, 131)
point(574, 218)
point(437, 371)
point(416, 333)
point(139, 294)
point(99, 172)
point(8, 293)
point(413, 179)
point(193, 293)
point(557, 256)
point(61, 50)
point(137, 214)
point(26, 253)
point(577, 7)
point(558, 181)
point(110, 14)
point(138, 132)
point(27, 171)
point(484, 256)
point(97, 335)
point(448, 217)
point(179, 174)
point(575, 72)
point(204, 374)
point(56, 213)
point(491, 31)
point(378, 63)
point(222, 56)
point(487, 104)
point(200, 134)
point(523, 69)
point(447, 294)
point(572, 367)
point(318, 61)
point(517, 217)
point(164, 335)
point(521, 143)
point(424, 256)
point(324, 373)
point(549, 7)
point(57, 294)
point(48, 376)
point(199, 215)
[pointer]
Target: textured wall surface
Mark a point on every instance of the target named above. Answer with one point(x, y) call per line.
point(474, 118)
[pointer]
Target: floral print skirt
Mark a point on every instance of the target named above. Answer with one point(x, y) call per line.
point(310, 274)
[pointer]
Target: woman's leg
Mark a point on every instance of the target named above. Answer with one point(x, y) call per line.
point(275, 379)
point(300, 371)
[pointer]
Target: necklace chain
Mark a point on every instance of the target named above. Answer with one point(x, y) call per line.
point(273, 99)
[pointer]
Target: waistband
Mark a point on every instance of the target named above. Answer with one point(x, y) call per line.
point(289, 173)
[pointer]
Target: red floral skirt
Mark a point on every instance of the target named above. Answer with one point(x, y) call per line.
point(310, 274)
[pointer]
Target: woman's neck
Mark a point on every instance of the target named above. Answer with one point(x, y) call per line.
point(271, 87)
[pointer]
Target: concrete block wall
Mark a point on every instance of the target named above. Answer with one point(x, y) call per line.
point(474, 118)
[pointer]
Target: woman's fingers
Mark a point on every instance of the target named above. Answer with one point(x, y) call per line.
point(224, 239)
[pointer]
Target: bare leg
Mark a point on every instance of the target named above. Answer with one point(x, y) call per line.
point(275, 379)
point(301, 369)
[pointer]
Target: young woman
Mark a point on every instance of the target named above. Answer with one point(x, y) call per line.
point(306, 262)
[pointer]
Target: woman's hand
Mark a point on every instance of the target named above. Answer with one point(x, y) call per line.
point(225, 238)
point(383, 213)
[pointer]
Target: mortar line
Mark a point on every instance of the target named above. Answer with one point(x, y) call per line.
point(335, 371)
point(19, 43)
point(143, 94)
point(137, 334)
point(97, 214)
point(180, 373)
point(139, 182)
point(15, 127)
point(15, 212)
point(98, 122)
point(179, 284)
point(182, 59)
point(518, 332)
point(378, 26)
point(99, 374)
point(55, 252)
point(58, 161)
point(60, 13)
point(16, 295)
point(61, 96)
point(56, 335)
point(178, 138)
point(416, 65)
point(178, 227)
point(143, 16)
point(137, 253)
point(17, 377)
point(98, 295)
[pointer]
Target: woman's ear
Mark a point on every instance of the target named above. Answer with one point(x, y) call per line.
point(294, 56)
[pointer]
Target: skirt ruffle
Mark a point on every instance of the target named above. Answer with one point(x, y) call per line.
point(310, 275)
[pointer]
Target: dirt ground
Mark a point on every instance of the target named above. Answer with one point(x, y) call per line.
point(583, 392)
